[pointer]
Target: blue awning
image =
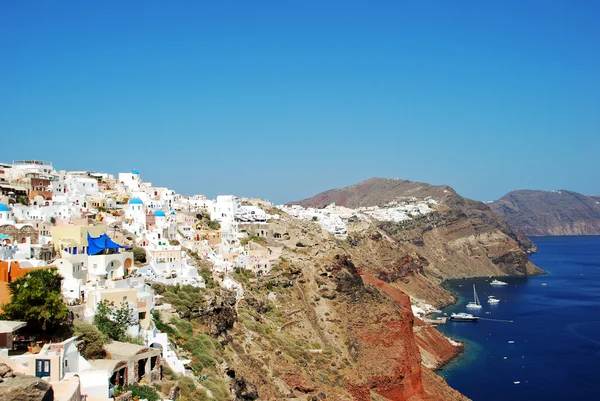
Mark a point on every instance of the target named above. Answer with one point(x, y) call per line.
point(99, 244)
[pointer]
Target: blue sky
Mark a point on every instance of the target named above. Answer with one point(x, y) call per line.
point(284, 99)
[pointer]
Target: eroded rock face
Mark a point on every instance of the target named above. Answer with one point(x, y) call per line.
point(25, 388)
point(346, 276)
point(218, 312)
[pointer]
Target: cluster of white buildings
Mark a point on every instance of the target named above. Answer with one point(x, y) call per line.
point(329, 218)
point(87, 224)
point(400, 211)
point(335, 219)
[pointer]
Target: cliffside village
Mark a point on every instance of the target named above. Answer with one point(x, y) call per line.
point(87, 224)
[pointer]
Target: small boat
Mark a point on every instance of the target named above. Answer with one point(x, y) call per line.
point(511, 342)
point(475, 304)
point(493, 300)
point(517, 382)
point(544, 284)
point(498, 282)
point(463, 317)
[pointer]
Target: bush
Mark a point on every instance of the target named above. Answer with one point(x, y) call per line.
point(139, 254)
point(93, 343)
point(142, 392)
point(189, 392)
point(207, 276)
point(214, 225)
point(253, 238)
point(184, 298)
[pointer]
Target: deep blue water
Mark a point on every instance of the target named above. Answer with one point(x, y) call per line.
point(556, 329)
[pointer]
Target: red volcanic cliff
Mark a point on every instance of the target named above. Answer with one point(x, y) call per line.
point(389, 360)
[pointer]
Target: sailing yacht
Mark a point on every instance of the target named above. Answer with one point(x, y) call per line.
point(476, 304)
point(498, 283)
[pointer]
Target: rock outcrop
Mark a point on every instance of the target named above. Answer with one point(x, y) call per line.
point(550, 212)
point(22, 387)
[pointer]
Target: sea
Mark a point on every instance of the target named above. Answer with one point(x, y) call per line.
point(551, 351)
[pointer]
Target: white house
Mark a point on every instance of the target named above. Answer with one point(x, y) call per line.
point(135, 217)
point(131, 181)
point(6, 215)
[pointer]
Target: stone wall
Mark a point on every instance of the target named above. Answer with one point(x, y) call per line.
point(19, 234)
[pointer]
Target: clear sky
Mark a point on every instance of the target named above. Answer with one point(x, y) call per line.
point(284, 99)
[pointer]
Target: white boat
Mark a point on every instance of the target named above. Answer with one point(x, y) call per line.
point(463, 317)
point(493, 300)
point(498, 282)
point(475, 304)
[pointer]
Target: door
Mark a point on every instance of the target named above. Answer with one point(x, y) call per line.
point(42, 368)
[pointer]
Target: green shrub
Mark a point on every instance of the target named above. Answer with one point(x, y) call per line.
point(93, 343)
point(143, 392)
point(184, 298)
point(187, 386)
point(139, 254)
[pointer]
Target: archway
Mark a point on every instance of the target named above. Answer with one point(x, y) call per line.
point(114, 269)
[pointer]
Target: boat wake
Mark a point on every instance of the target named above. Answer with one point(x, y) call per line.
point(575, 327)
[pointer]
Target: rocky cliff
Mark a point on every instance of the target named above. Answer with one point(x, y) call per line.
point(320, 326)
point(332, 327)
point(550, 213)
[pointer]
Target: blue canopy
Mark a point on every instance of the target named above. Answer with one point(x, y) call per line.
point(99, 244)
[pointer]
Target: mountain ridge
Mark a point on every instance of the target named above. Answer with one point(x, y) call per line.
point(560, 212)
point(461, 238)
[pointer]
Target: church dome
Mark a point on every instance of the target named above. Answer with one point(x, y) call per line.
point(4, 208)
point(136, 201)
point(159, 213)
point(134, 171)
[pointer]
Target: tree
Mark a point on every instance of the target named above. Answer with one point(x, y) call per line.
point(52, 220)
point(113, 321)
point(23, 200)
point(139, 254)
point(36, 299)
point(93, 341)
